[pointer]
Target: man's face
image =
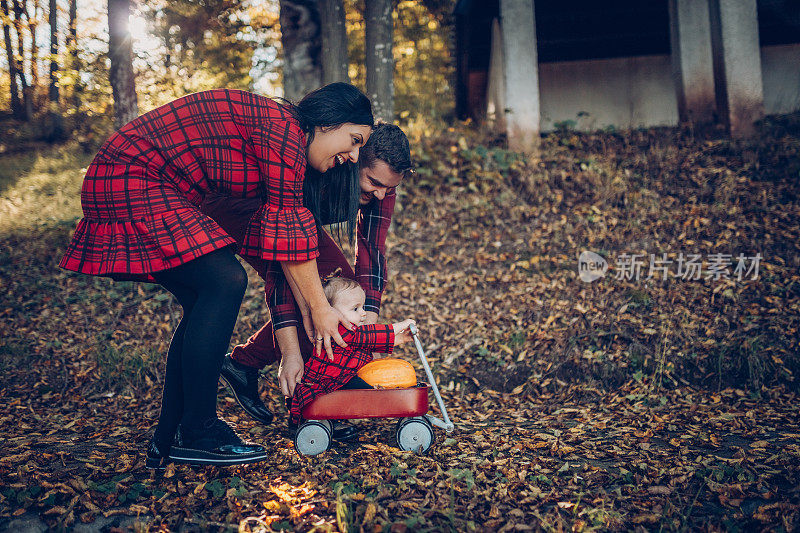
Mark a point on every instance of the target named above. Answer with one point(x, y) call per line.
point(377, 180)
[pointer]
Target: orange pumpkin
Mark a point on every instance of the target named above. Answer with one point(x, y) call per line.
point(389, 373)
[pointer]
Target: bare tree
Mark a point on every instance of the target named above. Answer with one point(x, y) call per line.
point(123, 83)
point(72, 51)
point(302, 71)
point(53, 127)
point(27, 97)
point(33, 24)
point(53, 16)
point(379, 62)
point(16, 103)
point(334, 41)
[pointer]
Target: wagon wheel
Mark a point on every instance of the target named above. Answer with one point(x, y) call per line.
point(414, 434)
point(313, 437)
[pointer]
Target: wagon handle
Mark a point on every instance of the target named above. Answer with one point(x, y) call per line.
point(447, 425)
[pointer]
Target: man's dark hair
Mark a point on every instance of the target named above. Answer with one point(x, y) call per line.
point(388, 143)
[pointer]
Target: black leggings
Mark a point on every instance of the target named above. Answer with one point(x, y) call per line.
point(210, 290)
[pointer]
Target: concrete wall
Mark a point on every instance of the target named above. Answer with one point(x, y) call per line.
point(626, 92)
point(780, 66)
point(639, 91)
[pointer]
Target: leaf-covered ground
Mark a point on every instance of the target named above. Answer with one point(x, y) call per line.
point(612, 405)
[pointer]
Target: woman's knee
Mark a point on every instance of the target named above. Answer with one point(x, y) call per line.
point(230, 277)
point(237, 280)
point(186, 296)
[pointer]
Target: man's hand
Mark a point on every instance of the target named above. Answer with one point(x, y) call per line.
point(402, 333)
point(290, 373)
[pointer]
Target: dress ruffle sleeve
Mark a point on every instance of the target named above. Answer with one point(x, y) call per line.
point(133, 248)
point(282, 230)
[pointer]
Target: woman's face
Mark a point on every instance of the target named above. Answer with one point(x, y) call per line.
point(332, 147)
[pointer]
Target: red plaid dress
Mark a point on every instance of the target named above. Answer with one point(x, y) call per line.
point(321, 375)
point(141, 193)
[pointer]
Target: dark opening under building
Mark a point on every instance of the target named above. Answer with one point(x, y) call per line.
point(628, 63)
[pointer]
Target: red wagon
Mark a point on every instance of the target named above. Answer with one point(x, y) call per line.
point(414, 430)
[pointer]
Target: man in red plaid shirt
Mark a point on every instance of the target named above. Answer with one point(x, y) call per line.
point(383, 162)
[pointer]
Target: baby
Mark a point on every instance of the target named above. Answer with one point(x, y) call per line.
point(322, 374)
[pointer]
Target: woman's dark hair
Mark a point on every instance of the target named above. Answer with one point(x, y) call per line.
point(332, 197)
point(331, 106)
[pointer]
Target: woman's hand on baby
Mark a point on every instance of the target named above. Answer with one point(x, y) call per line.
point(326, 326)
point(402, 333)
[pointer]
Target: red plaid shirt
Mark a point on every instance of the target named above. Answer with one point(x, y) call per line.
point(373, 226)
point(321, 375)
point(141, 193)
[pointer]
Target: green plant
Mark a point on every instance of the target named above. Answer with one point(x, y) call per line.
point(119, 369)
point(565, 125)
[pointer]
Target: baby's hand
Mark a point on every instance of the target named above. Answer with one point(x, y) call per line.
point(402, 333)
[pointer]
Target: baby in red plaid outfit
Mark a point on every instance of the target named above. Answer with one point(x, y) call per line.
point(323, 374)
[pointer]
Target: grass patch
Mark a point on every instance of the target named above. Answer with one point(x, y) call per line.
point(131, 370)
point(41, 188)
point(14, 353)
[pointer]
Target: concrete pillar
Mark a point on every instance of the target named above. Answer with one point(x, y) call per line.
point(496, 88)
point(737, 64)
point(521, 68)
point(692, 62)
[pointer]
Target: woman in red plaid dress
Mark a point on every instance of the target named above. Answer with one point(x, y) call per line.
point(140, 200)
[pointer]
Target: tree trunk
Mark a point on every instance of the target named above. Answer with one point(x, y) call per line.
point(16, 103)
point(496, 85)
point(53, 123)
point(27, 96)
point(33, 23)
point(72, 51)
point(379, 62)
point(123, 84)
point(53, 92)
point(27, 100)
point(334, 41)
point(302, 72)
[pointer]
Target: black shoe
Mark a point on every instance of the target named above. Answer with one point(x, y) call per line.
point(242, 380)
point(156, 456)
point(215, 443)
point(342, 431)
